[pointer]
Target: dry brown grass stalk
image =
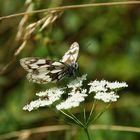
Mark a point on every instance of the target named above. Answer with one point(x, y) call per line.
point(25, 29)
point(45, 129)
point(70, 7)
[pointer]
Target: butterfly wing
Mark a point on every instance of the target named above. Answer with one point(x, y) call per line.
point(31, 64)
point(42, 70)
point(71, 55)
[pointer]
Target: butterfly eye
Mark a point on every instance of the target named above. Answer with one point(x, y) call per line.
point(76, 65)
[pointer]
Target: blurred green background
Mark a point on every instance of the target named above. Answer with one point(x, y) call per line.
point(109, 39)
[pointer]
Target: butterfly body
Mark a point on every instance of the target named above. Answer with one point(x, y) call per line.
point(71, 69)
point(42, 71)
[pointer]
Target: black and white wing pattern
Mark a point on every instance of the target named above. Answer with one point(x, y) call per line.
point(42, 71)
point(70, 57)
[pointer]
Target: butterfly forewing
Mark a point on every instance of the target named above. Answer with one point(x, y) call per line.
point(41, 70)
point(71, 55)
point(31, 64)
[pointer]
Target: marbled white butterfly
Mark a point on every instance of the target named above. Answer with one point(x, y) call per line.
point(42, 71)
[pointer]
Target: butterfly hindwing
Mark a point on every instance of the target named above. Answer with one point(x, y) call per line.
point(44, 78)
point(42, 70)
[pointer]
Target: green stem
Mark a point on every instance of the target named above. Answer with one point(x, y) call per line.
point(79, 122)
point(99, 114)
point(91, 112)
point(84, 111)
point(87, 133)
point(72, 118)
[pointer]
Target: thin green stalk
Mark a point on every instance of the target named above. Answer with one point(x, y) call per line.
point(85, 119)
point(87, 133)
point(99, 114)
point(81, 124)
point(91, 112)
point(72, 118)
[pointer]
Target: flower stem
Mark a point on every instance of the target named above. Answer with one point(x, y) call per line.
point(91, 112)
point(87, 133)
point(99, 114)
point(72, 117)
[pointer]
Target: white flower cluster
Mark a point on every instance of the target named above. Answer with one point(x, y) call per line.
point(77, 83)
point(103, 90)
point(73, 100)
point(106, 96)
point(116, 85)
point(77, 94)
point(97, 86)
point(36, 104)
point(49, 97)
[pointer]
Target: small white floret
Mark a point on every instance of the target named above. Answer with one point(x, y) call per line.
point(97, 86)
point(116, 85)
point(106, 96)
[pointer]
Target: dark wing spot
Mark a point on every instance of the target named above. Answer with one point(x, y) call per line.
point(49, 62)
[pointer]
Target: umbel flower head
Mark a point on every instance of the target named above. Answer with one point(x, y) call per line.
point(104, 90)
point(47, 98)
point(101, 90)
